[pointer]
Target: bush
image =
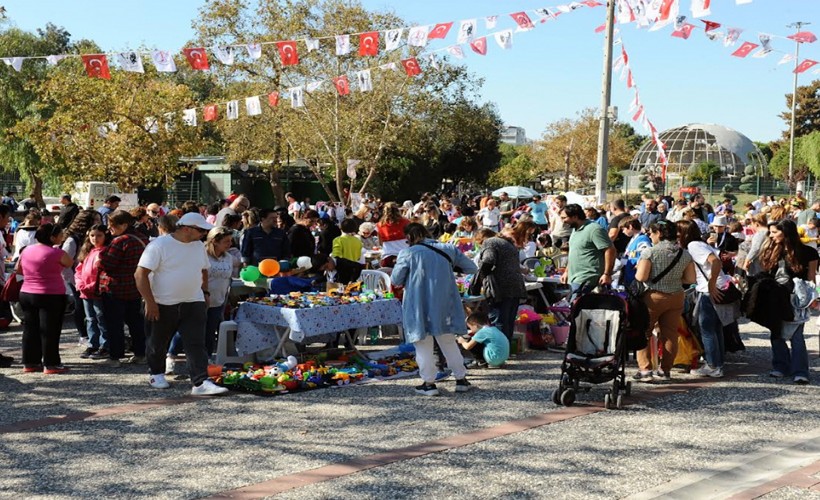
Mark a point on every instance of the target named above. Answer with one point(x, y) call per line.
point(747, 187)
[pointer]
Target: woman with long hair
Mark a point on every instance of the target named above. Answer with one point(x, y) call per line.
point(391, 233)
point(523, 234)
point(75, 235)
point(431, 218)
point(785, 252)
point(87, 276)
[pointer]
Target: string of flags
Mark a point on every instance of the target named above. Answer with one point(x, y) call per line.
point(369, 45)
point(658, 14)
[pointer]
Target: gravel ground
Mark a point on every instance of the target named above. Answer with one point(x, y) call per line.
point(205, 447)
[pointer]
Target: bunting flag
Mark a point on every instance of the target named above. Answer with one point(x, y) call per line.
point(456, 51)
point(417, 37)
point(600, 28)
point(713, 35)
point(742, 2)
point(14, 62)
point(233, 110)
point(592, 3)
point(364, 80)
point(544, 14)
point(710, 25)
point(210, 113)
point(744, 49)
point(254, 50)
point(170, 126)
point(96, 65)
point(351, 168)
point(225, 54)
point(732, 34)
point(53, 60)
point(760, 54)
point(466, 31)
point(197, 58)
point(523, 21)
point(273, 99)
point(625, 13)
point(440, 31)
point(701, 8)
point(288, 53)
point(297, 97)
point(189, 117)
point(684, 32)
point(490, 22)
point(392, 39)
point(130, 61)
point(163, 61)
point(805, 65)
point(630, 82)
point(637, 116)
point(504, 39)
point(411, 65)
point(313, 86)
point(479, 45)
point(765, 41)
point(342, 45)
point(342, 85)
point(369, 44)
point(312, 44)
point(786, 58)
point(433, 61)
point(252, 106)
point(803, 37)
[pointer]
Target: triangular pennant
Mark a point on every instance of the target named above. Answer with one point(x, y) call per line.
point(14, 62)
point(490, 22)
point(197, 58)
point(701, 8)
point(709, 25)
point(163, 61)
point(411, 66)
point(600, 28)
point(805, 65)
point(440, 31)
point(418, 36)
point(252, 106)
point(96, 66)
point(637, 116)
point(369, 44)
point(54, 59)
point(130, 61)
point(297, 97)
point(342, 45)
point(189, 117)
point(254, 50)
point(522, 20)
point(630, 82)
point(744, 49)
point(479, 45)
point(803, 37)
point(342, 85)
point(392, 39)
point(504, 39)
point(364, 80)
point(233, 110)
point(225, 54)
point(456, 51)
point(466, 30)
point(288, 53)
point(312, 44)
point(210, 113)
point(635, 103)
point(543, 14)
point(273, 99)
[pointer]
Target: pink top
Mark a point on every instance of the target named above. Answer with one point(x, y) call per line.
point(87, 273)
point(42, 271)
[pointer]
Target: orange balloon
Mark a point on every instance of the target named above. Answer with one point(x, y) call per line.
point(269, 267)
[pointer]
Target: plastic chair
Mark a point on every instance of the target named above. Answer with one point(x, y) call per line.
point(226, 345)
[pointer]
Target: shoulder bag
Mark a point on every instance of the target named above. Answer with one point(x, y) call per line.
point(730, 295)
point(638, 288)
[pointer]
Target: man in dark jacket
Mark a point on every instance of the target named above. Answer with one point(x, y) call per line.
point(265, 241)
point(328, 232)
point(68, 211)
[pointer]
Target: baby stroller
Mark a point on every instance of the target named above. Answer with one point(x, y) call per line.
point(596, 352)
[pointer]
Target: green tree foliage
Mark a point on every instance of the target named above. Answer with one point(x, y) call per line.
point(808, 110)
point(806, 158)
point(704, 171)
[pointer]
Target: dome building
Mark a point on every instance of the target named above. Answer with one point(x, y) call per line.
point(690, 145)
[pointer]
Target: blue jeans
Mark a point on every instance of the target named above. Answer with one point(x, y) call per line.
point(118, 313)
point(502, 315)
point(215, 316)
point(95, 324)
point(711, 331)
point(794, 363)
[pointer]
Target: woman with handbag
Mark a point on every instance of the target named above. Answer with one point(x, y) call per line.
point(664, 268)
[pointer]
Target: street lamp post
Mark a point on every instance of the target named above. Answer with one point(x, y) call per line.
point(796, 26)
point(606, 91)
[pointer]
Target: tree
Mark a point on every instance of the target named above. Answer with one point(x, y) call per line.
point(806, 158)
point(519, 171)
point(704, 172)
point(808, 110)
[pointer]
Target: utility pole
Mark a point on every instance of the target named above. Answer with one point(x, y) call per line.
point(796, 26)
point(567, 155)
point(606, 90)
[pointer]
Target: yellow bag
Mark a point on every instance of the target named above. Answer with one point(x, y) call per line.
point(689, 349)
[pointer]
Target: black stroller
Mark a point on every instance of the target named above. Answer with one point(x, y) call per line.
point(596, 350)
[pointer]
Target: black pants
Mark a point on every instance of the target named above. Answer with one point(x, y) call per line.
point(502, 315)
point(43, 316)
point(79, 313)
point(187, 318)
point(117, 313)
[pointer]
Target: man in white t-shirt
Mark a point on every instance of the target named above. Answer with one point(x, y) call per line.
point(172, 277)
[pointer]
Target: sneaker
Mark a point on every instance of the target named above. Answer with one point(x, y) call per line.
point(158, 382)
point(32, 368)
point(170, 365)
point(207, 388)
point(708, 371)
point(111, 363)
point(88, 352)
point(136, 360)
point(101, 354)
point(83, 342)
point(801, 380)
point(665, 376)
point(496, 367)
point(55, 370)
point(427, 389)
point(644, 376)
point(475, 364)
point(5, 361)
point(462, 385)
point(443, 374)
point(776, 374)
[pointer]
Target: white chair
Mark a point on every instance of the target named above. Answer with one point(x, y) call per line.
point(226, 345)
point(373, 280)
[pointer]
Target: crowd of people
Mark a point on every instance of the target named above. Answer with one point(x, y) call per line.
point(166, 274)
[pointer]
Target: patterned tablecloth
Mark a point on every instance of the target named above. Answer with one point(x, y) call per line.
point(259, 325)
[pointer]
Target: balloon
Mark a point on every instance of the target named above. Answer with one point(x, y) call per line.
point(304, 263)
point(269, 267)
point(250, 273)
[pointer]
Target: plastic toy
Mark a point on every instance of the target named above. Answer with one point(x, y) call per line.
point(269, 267)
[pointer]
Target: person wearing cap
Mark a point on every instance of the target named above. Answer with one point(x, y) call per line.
point(172, 277)
point(111, 203)
point(726, 244)
point(68, 211)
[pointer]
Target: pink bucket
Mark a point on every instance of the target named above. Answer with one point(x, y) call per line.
point(560, 333)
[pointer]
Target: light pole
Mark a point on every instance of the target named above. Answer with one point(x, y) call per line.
point(796, 26)
point(606, 90)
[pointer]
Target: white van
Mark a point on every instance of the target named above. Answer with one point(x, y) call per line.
point(92, 194)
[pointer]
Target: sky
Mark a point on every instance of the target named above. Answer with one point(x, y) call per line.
point(552, 72)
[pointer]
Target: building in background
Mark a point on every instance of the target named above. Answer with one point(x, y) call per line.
point(516, 136)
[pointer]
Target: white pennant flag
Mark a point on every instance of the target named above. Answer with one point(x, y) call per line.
point(679, 22)
point(53, 60)
point(312, 44)
point(151, 125)
point(351, 168)
point(233, 110)
point(14, 62)
point(252, 106)
point(254, 50)
point(635, 103)
point(342, 45)
point(732, 34)
point(701, 8)
point(163, 61)
point(313, 86)
point(456, 51)
point(490, 22)
point(544, 14)
point(418, 36)
point(189, 117)
point(564, 9)
point(130, 61)
point(466, 31)
point(297, 97)
point(364, 80)
point(391, 65)
point(765, 41)
point(760, 54)
point(392, 39)
point(786, 58)
point(224, 54)
point(504, 39)
point(618, 64)
point(434, 62)
point(714, 35)
point(742, 2)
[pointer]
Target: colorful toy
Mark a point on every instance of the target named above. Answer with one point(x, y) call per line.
point(269, 267)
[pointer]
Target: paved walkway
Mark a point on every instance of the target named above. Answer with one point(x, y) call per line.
point(103, 432)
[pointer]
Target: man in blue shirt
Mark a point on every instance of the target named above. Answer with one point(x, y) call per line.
point(538, 209)
point(109, 205)
point(265, 241)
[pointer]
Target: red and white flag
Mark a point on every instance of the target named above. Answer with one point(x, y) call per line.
point(479, 45)
point(805, 65)
point(637, 116)
point(710, 25)
point(625, 13)
point(273, 99)
point(342, 85)
point(523, 21)
point(210, 113)
point(369, 44)
point(624, 55)
point(600, 28)
point(164, 61)
point(803, 37)
point(411, 66)
point(745, 49)
point(635, 103)
point(630, 82)
point(96, 65)
point(684, 32)
point(288, 52)
point(669, 10)
point(591, 3)
point(440, 31)
point(456, 51)
point(701, 8)
point(197, 58)
point(466, 30)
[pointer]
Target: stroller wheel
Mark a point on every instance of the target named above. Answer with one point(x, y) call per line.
point(619, 402)
point(556, 397)
point(607, 401)
point(628, 389)
point(568, 397)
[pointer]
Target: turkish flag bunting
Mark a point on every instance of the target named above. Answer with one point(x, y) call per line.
point(803, 66)
point(624, 54)
point(666, 9)
point(803, 37)
point(342, 85)
point(591, 3)
point(684, 32)
point(210, 113)
point(288, 53)
point(479, 45)
point(96, 65)
point(600, 28)
point(638, 114)
point(197, 58)
point(411, 66)
point(630, 82)
point(440, 31)
point(710, 25)
point(369, 44)
point(273, 99)
point(744, 49)
point(523, 20)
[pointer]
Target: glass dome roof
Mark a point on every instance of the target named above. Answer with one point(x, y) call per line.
point(693, 144)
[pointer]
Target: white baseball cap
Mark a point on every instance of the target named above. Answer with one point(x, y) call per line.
point(194, 220)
